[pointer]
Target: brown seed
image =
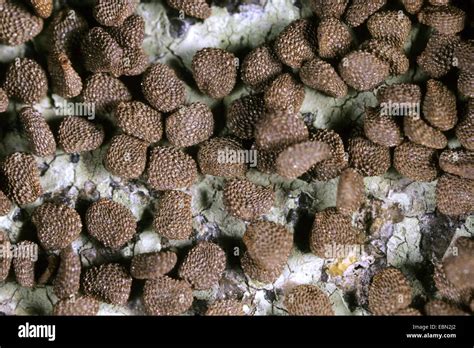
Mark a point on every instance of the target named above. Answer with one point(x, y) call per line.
point(22, 178)
point(170, 168)
point(465, 128)
point(359, 10)
point(332, 229)
point(173, 218)
point(444, 19)
point(113, 13)
point(308, 300)
point(439, 106)
point(389, 53)
point(38, 133)
point(139, 120)
point(459, 267)
point(258, 273)
point(215, 71)
point(203, 265)
point(26, 81)
point(418, 131)
point(131, 33)
point(167, 296)
point(266, 160)
point(24, 265)
point(108, 283)
point(399, 94)
point(51, 269)
point(363, 71)
point(42, 8)
point(408, 312)
point(222, 157)
point(66, 30)
point(284, 93)
point(65, 81)
point(190, 125)
point(268, 244)
point(350, 192)
point(126, 156)
point(466, 83)
point(102, 54)
point(448, 290)
point(5, 259)
point(243, 114)
point(416, 162)
point(463, 55)
point(225, 307)
point(296, 43)
point(280, 129)
point(368, 158)
point(68, 278)
point(57, 225)
point(391, 26)
point(260, 67)
point(458, 162)
point(5, 204)
point(441, 308)
point(194, 8)
point(451, 188)
point(162, 88)
point(328, 8)
point(246, 200)
point(105, 92)
point(77, 135)
point(134, 62)
point(334, 165)
point(152, 265)
point(412, 6)
point(334, 38)
point(297, 159)
point(437, 58)
point(381, 128)
point(3, 100)
point(389, 292)
point(17, 24)
point(439, 2)
point(321, 76)
point(81, 306)
point(111, 223)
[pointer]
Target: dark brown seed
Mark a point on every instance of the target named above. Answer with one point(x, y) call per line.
point(3, 100)
point(77, 135)
point(463, 56)
point(458, 162)
point(109, 283)
point(334, 38)
point(328, 8)
point(391, 26)
point(368, 158)
point(134, 62)
point(296, 43)
point(131, 33)
point(268, 244)
point(334, 165)
point(37, 131)
point(297, 159)
point(42, 8)
point(382, 128)
point(225, 307)
point(139, 120)
point(465, 128)
point(24, 265)
point(439, 106)
point(126, 156)
point(65, 81)
point(260, 67)
point(321, 76)
point(359, 10)
point(459, 266)
point(68, 278)
point(412, 6)
point(266, 160)
point(152, 265)
point(247, 201)
point(26, 81)
point(363, 71)
point(418, 131)
point(111, 223)
point(444, 19)
point(258, 273)
point(113, 13)
point(57, 225)
point(17, 24)
point(439, 2)
point(167, 296)
point(399, 94)
point(308, 300)
point(170, 168)
point(173, 218)
point(332, 230)
point(437, 58)
point(389, 53)
point(194, 8)
point(215, 71)
point(5, 204)
point(105, 92)
point(450, 189)
point(243, 114)
point(5, 259)
point(222, 157)
point(22, 178)
point(408, 312)
point(284, 93)
point(280, 129)
point(448, 290)
point(416, 162)
point(162, 88)
point(79, 306)
point(66, 30)
point(466, 83)
point(350, 192)
point(441, 308)
point(389, 292)
point(190, 125)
